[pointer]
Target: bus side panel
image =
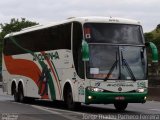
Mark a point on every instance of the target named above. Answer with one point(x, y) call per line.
point(60, 62)
point(21, 68)
point(5, 78)
point(32, 71)
point(31, 88)
point(69, 77)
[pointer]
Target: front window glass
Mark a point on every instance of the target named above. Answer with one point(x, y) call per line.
point(135, 59)
point(102, 58)
point(113, 33)
point(116, 62)
point(116, 51)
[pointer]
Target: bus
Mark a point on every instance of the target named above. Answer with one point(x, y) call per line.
point(90, 60)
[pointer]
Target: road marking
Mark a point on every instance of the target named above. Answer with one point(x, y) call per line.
point(155, 110)
point(54, 111)
point(51, 109)
point(57, 113)
point(45, 109)
point(60, 110)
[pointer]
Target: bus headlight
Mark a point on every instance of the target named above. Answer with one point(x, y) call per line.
point(140, 90)
point(95, 89)
point(145, 98)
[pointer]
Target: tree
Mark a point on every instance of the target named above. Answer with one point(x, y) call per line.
point(148, 37)
point(158, 26)
point(14, 26)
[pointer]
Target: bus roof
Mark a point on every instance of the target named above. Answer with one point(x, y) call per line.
point(77, 19)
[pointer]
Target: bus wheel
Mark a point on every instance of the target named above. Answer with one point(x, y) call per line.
point(16, 97)
point(71, 105)
point(15, 93)
point(120, 106)
point(20, 94)
point(69, 100)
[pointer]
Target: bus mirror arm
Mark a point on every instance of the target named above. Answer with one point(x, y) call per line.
point(154, 51)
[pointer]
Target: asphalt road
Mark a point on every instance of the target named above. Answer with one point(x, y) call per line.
point(45, 110)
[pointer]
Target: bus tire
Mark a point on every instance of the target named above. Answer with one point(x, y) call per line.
point(71, 105)
point(120, 106)
point(16, 97)
point(21, 94)
point(69, 100)
point(14, 92)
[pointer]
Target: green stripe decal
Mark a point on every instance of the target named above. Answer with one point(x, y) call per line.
point(55, 70)
point(50, 82)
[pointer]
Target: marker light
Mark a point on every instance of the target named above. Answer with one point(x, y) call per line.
point(145, 98)
point(140, 90)
point(95, 89)
point(89, 97)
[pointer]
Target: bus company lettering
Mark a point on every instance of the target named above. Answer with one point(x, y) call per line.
point(45, 56)
point(120, 85)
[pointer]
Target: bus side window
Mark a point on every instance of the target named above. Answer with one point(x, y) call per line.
point(53, 38)
point(10, 48)
point(42, 41)
point(77, 56)
point(65, 36)
point(60, 37)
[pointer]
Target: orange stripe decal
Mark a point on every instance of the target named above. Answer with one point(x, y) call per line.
point(22, 67)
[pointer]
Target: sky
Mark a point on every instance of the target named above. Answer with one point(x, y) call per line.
point(45, 11)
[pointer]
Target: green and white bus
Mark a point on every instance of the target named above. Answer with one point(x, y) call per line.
point(90, 60)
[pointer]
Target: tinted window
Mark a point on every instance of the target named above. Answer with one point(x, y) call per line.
point(116, 62)
point(113, 33)
point(10, 48)
point(57, 37)
point(77, 56)
point(102, 59)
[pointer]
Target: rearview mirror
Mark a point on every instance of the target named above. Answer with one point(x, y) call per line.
point(154, 51)
point(85, 51)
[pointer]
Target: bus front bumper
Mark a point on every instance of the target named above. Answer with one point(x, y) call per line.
point(112, 97)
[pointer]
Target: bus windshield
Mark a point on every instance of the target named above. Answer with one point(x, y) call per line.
point(113, 33)
point(116, 51)
point(116, 62)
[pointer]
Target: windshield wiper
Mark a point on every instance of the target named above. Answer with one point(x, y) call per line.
point(112, 68)
point(124, 63)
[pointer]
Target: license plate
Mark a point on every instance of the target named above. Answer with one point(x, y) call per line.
point(120, 98)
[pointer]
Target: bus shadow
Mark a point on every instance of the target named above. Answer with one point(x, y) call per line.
point(90, 109)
